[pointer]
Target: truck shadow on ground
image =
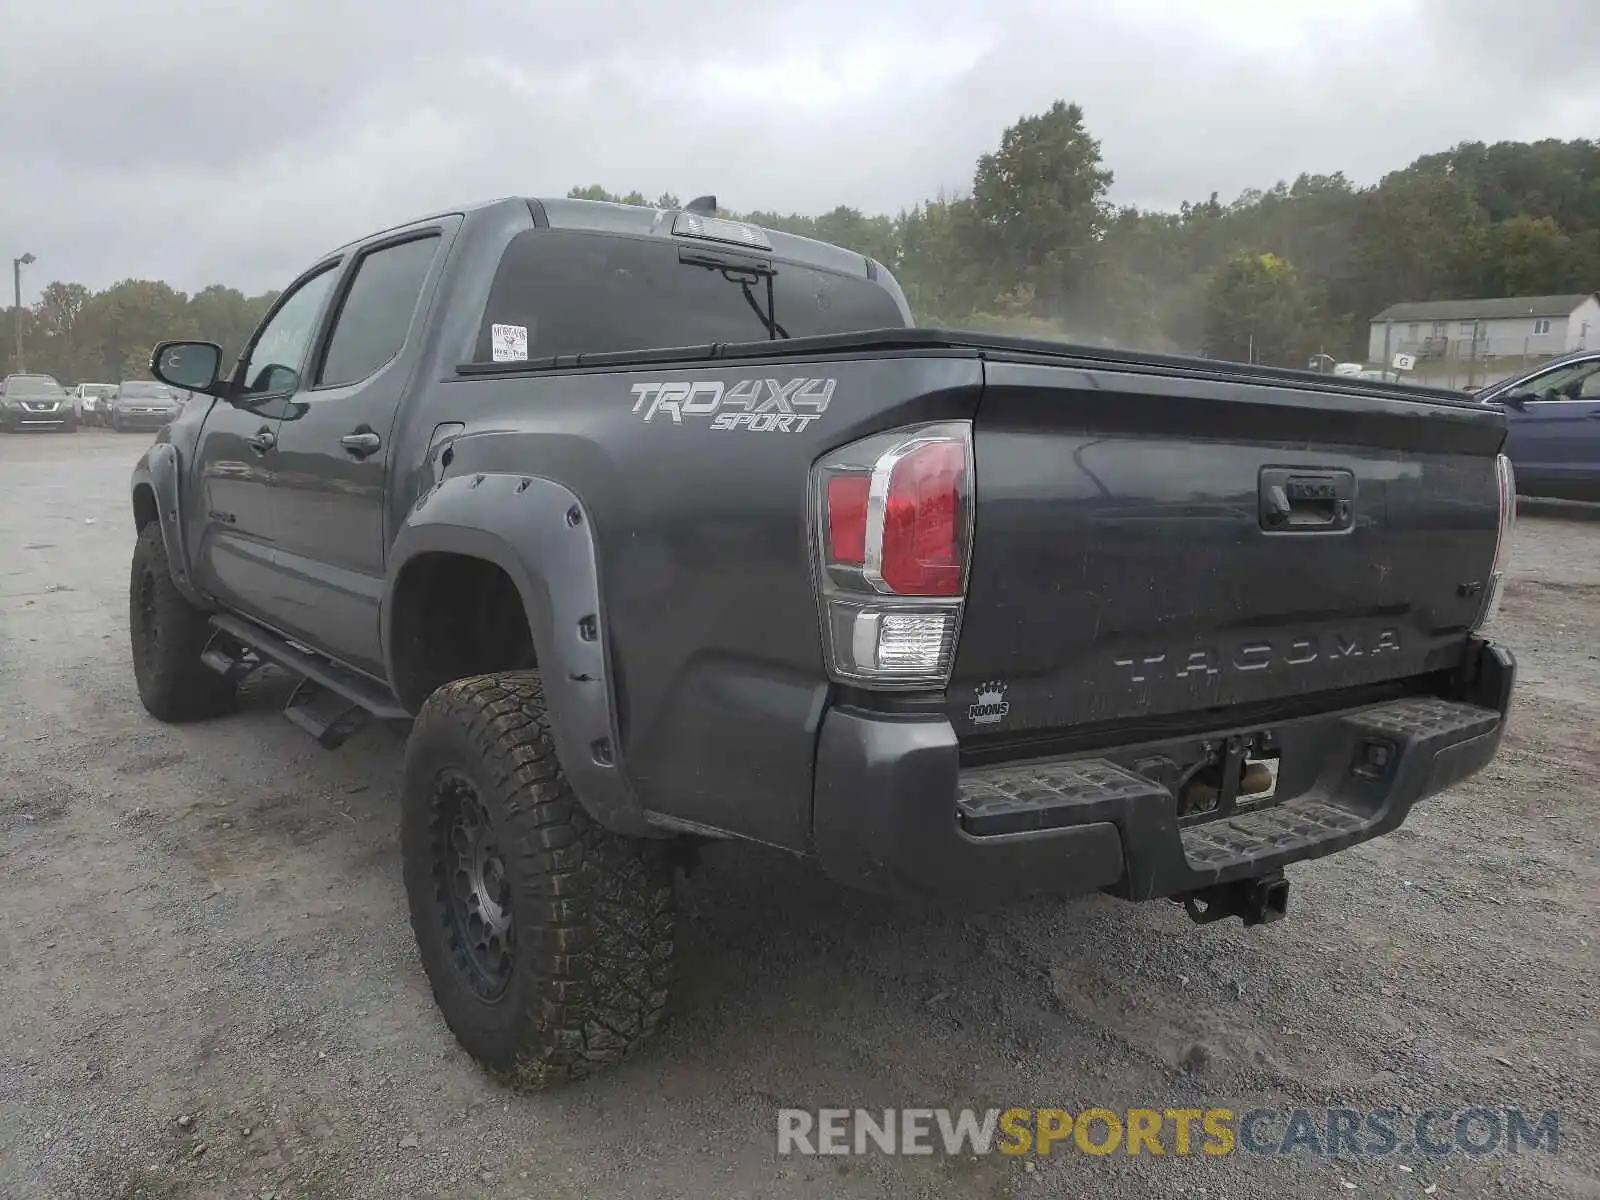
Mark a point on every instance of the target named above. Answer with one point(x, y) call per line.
point(806, 993)
point(771, 952)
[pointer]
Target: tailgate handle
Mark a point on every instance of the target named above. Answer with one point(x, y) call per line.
point(1306, 501)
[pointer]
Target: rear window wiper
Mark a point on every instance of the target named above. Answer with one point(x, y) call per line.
point(746, 272)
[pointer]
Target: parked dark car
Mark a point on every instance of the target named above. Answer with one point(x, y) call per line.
point(660, 528)
point(139, 404)
point(36, 402)
point(1553, 426)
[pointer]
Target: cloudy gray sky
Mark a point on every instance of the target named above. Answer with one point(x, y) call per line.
point(219, 143)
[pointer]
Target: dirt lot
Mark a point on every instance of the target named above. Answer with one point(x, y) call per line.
point(208, 985)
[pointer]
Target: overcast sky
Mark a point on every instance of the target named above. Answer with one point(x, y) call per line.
point(201, 143)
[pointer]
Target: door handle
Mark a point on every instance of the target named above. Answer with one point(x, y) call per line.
point(262, 441)
point(1294, 501)
point(361, 443)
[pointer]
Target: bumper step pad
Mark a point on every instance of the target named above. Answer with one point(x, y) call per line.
point(1370, 765)
point(1296, 827)
point(1021, 799)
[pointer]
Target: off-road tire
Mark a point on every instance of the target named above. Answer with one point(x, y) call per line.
point(167, 635)
point(589, 964)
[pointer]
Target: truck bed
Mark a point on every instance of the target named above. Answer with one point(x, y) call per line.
point(1121, 580)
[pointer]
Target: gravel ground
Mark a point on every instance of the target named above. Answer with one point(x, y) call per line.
point(208, 985)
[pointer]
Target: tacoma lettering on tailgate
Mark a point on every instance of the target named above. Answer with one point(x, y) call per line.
point(1262, 654)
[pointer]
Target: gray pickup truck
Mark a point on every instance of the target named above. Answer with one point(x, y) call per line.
point(659, 528)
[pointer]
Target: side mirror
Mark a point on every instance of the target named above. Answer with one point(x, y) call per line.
point(188, 366)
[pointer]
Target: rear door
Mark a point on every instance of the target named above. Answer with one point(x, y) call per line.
point(1160, 543)
point(333, 449)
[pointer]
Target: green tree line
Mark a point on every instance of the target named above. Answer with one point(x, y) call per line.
point(81, 336)
point(1034, 246)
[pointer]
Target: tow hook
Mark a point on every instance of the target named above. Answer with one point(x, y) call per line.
point(1254, 901)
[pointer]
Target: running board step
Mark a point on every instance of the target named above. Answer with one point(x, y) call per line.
point(224, 655)
point(325, 715)
point(319, 714)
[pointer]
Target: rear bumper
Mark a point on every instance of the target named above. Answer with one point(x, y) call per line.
point(894, 811)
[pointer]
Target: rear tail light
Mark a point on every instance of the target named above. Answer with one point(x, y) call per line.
point(1506, 482)
point(847, 519)
point(893, 519)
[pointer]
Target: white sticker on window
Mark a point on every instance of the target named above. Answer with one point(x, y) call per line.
point(509, 342)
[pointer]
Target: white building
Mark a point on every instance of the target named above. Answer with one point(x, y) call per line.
point(1461, 330)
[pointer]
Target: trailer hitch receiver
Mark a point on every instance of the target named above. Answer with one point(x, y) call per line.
point(1254, 901)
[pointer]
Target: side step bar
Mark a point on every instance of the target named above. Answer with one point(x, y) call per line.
point(330, 703)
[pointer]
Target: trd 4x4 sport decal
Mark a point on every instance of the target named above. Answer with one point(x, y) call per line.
point(759, 405)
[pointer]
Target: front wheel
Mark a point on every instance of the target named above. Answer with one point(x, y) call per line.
point(547, 939)
point(167, 636)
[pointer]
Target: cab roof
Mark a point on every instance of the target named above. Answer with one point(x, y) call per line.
point(633, 220)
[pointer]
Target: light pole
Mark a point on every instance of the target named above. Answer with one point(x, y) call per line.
point(16, 287)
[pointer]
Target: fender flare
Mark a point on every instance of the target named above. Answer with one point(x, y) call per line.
point(161, 470)
point(538, 532)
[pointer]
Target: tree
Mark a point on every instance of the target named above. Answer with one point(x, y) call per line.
point(1256, 310)
point(1529, 256)
point(936, 260)
point(130, 317)
point(1420, 235)
point(57, 336)
point(227, 316)
point(1040, 199)
point(135, 363)
point(595, 192)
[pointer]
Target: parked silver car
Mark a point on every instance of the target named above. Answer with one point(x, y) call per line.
point(92, 399)
point(141, 404)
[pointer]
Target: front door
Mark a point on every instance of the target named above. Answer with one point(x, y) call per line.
point(235, 459)
point(333, 453)
point(1554, 437)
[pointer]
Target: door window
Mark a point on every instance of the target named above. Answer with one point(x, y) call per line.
point(1575, 381)
point(377, 311)
point(280, 348)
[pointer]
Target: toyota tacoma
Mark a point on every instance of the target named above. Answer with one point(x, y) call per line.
point(658, 527)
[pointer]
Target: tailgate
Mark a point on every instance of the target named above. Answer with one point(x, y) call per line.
point(1160, 543)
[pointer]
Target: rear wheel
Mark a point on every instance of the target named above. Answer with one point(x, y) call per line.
point(547, 939)
point(168, 635)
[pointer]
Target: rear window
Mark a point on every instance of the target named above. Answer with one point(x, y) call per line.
point(578, 293)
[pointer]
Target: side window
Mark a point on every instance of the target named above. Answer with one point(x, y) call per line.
point(377, 311)
point(1572, 382)
point(281, 346)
